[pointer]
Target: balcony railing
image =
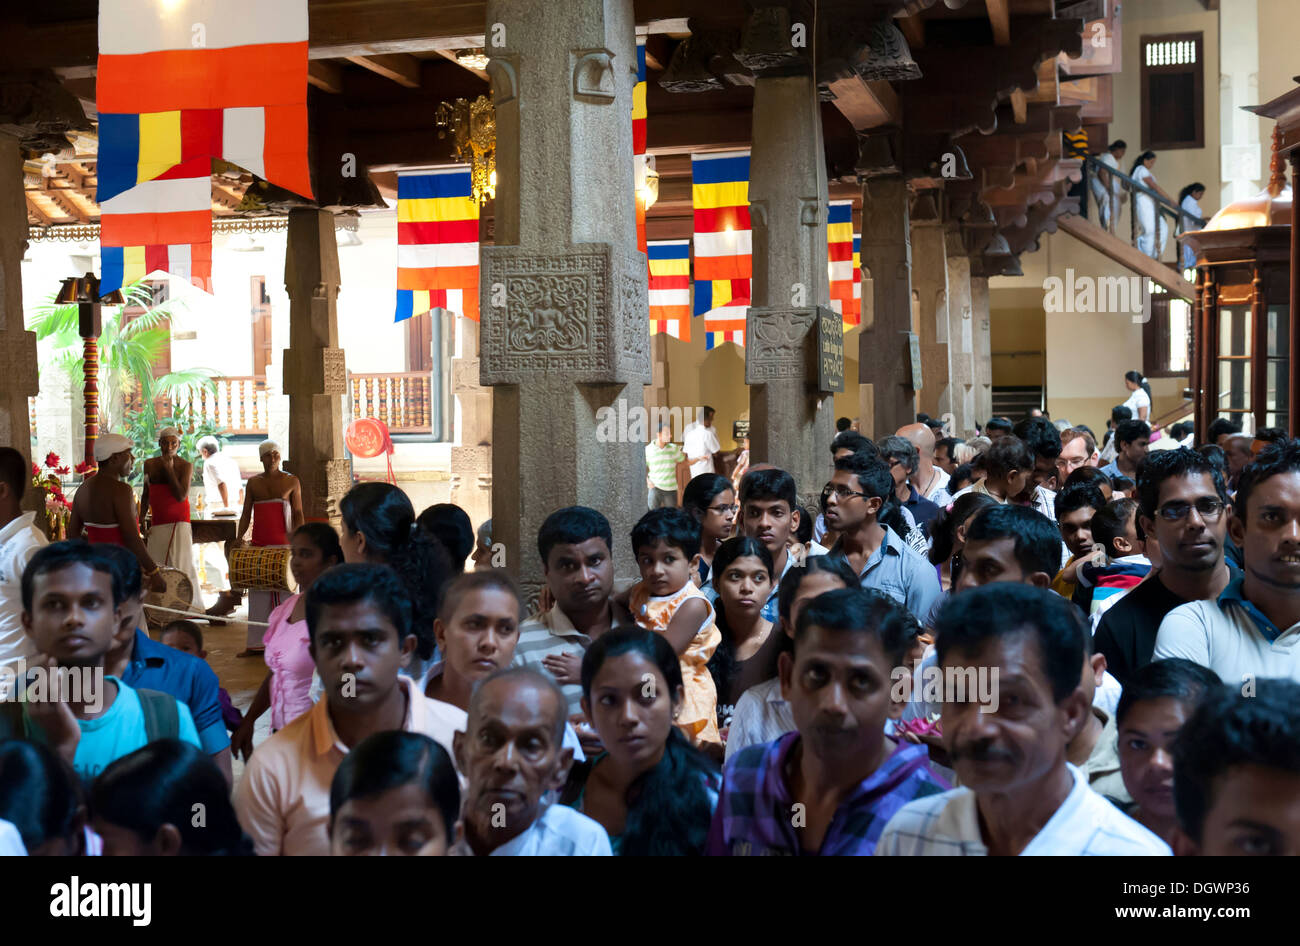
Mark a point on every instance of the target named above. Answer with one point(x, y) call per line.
point(401, 400)
point(238, 405)
point(1165, 218)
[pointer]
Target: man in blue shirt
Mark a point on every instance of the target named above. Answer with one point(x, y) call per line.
point(1132, 438)
point(72, 602)
point(852, 500)
point(145, 663)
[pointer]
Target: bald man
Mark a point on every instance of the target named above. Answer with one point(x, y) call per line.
point(512, 755)
point(930, 481)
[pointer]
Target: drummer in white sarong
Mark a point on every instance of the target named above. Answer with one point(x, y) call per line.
point(166, 491)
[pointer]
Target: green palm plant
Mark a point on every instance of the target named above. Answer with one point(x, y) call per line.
point(127, 352)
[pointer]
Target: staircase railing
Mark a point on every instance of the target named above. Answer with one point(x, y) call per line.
point(1175, 220)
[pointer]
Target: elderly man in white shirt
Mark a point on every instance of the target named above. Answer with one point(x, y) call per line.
point(512, 755)
point(700, 443)
point(19, 541)
point(1009, 659)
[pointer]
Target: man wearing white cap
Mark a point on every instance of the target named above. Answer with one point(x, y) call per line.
point(103, 508)
point(166, 489)
point(273, 504)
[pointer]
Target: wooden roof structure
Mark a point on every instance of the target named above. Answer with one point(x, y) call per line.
point(982, 87)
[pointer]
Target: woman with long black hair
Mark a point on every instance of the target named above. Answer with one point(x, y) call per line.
point(379, 527)
point(742, 577)
point(650, 789)
point(1139, 397)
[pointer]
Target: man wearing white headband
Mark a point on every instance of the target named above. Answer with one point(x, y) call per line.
point(273, 504)
point(166, 490)
point(103, 508)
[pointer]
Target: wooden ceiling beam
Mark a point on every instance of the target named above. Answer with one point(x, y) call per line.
point(325, 75)
point(1000, 20)
point(402, 68)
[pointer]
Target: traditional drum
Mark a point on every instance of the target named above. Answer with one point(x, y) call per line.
point(178, 596)
point(261, 568)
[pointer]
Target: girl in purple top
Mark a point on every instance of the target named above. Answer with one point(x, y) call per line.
point(286, 691)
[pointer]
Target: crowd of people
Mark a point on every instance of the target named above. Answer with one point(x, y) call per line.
point(1031, 641)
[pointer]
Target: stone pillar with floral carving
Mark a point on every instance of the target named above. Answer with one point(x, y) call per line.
point(471, 458)
point(979, 298)
point(791, 422)
point(564, 332)
point(315, 378)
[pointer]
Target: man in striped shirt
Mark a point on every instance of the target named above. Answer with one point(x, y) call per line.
point(661, 459)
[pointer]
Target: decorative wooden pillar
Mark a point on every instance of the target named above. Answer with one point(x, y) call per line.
point(930, 283)
point(315, 377)
point(884, 362)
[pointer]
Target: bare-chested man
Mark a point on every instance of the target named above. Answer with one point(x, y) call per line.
point(103, 508)
point(167, 479)
point(273, 503)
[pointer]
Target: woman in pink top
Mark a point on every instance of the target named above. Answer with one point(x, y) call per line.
point(286, 691)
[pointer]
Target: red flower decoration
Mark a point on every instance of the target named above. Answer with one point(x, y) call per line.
point(62, 470)
point(36, 470)
point(83, 467)
point(52, 459)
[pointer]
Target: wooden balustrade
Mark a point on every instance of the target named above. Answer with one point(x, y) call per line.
point(401, 400)
point(238, 405)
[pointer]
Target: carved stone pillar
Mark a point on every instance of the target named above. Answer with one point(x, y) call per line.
point(471, 460)
point(959, 399)
point(884, 362)
point(315, 378)
point(565, 334)
point(18, 371)
point(791, 423)
point(983, 356)
point(930, 285)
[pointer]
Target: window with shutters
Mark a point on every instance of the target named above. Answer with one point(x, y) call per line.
point(1173, 91)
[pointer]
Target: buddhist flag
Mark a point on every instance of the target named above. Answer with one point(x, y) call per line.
point(638, 140)
point(163, 224)
point(190, 79)
point(723, 251)
point(670, 288)
point(437, 243)
point(839, 244)
point(857, 279)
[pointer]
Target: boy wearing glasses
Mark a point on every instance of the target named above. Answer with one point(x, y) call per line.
point(1182, 506)
point(1251, 628)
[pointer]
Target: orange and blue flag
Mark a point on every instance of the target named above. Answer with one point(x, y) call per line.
point(839, 245)
point(638, 140)
point(437, 243)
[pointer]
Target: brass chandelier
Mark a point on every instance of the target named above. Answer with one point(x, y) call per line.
point(473, 126)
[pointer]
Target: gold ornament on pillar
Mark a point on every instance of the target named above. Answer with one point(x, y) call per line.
point(473, 126)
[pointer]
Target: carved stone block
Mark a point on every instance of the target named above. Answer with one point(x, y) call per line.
point(465, 376)
point(467, 461)
point(315, 371)
point(579, 313)
point(18, 363)
point(779, 344)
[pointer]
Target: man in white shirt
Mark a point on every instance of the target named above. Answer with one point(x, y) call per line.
point(512, 755)
point(223, 494)
point(700, 441)
point(19, 541)
point(1252, 629)
point(1010, 656)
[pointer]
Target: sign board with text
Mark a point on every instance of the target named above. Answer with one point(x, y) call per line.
point(830, 351)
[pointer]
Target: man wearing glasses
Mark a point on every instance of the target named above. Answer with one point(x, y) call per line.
point(1182, 506)
point(1078, 448)
point(851, 501)
point(1250, 630)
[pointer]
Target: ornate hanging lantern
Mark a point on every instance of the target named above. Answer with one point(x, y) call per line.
point(473, 126)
